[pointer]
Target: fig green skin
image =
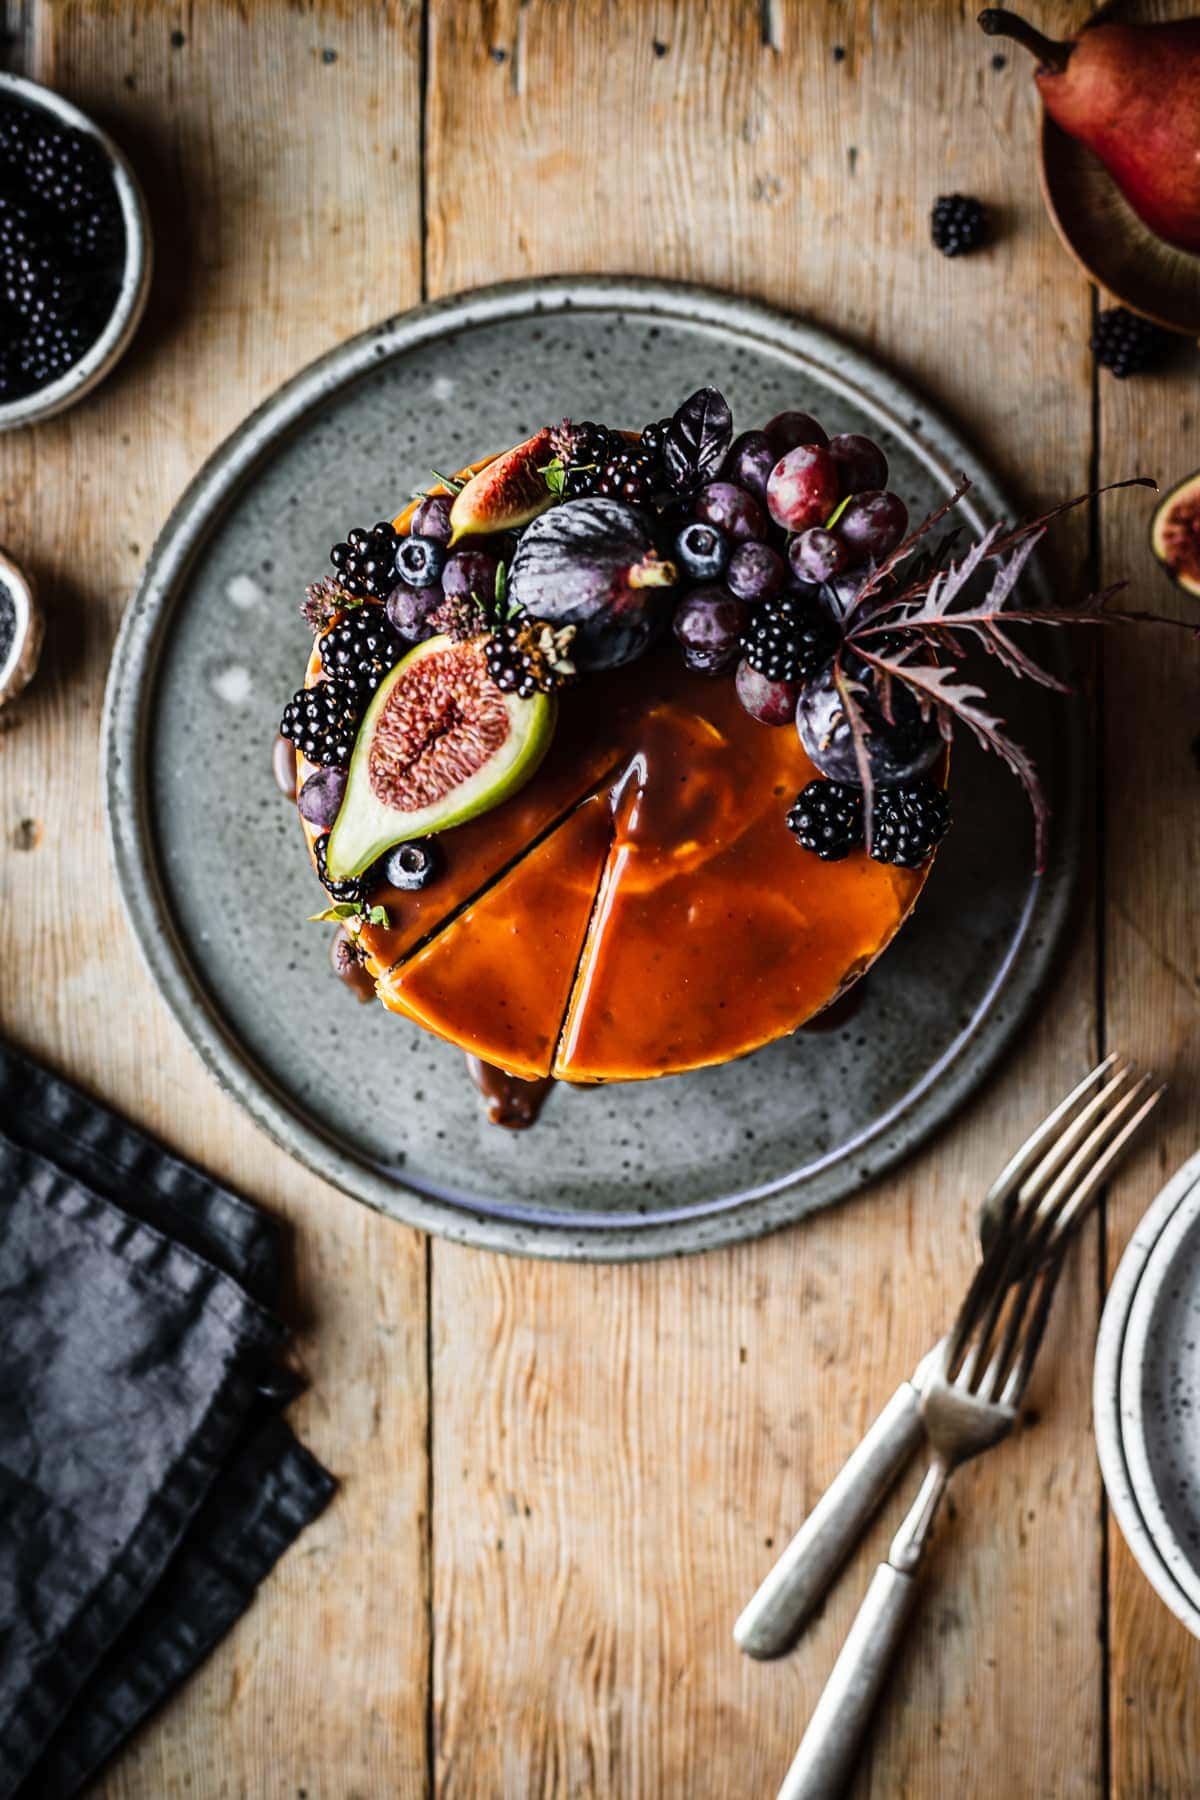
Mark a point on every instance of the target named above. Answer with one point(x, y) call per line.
point(592, 563)
point(365, 827)
point(1175, 533)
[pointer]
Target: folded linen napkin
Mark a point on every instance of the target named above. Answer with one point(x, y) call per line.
point(147, 1483)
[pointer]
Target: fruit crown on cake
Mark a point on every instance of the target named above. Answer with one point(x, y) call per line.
point(778, 559)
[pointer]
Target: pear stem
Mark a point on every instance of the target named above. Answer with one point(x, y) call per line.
point(1052, 56)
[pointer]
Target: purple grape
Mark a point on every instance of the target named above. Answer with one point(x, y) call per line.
point(861, 463)
point(732, 510)
point(872, 525)
point(749, 462)
point(320, 799)
point(817, 555)
point(755, 572)
point(470, 572)
point(770, 702)
point(708, 623)
point(408, 610)
point(787, 429)
point(432, 517)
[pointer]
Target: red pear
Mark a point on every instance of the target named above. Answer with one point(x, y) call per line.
point(1131, 93)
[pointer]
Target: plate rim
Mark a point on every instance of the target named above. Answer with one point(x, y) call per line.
point(1134, 1358)
point(132, 683)
point(1106, 1393)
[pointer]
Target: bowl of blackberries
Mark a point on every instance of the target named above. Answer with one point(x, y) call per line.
point(75, 253)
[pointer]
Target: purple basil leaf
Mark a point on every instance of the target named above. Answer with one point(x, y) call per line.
point(698, 438)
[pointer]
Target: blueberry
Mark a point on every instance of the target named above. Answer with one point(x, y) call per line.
point(411, 866)
point(702, 551)
point(419, 561)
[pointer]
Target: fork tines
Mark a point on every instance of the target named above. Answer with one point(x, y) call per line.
point(1040, 1198)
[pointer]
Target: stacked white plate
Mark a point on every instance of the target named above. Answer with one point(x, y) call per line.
point(1146, 1395)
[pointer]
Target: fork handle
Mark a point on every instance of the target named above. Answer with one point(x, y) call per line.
point(825, 1761)
point(803, 1575)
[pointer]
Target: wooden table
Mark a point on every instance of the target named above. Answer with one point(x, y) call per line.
point(559, 1484)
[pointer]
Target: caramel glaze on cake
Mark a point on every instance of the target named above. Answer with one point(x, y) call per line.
point(639, 908)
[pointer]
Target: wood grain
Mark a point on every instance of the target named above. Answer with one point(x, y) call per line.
point(617, 1451)
point(264, 162)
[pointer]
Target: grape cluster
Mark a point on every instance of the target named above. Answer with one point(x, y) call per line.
point(61, 248)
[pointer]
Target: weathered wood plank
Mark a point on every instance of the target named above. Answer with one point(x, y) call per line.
point(1152, 989)
point(617, 1451)
point(280, 147)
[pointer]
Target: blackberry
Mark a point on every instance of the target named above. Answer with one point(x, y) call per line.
point(583, 449)
point(909, 823)
point(366, 562)
point(354, 889)
point(957, 224)
point(528, 656)
point(1126, 343)
point(46, 351)
point(788, 639)
point(630, 474)
point(654, 436)
point(359, 650)
point(322, 722)
point(827, 819)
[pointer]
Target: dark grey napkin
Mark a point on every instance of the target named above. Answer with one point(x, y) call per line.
point(147, 1483)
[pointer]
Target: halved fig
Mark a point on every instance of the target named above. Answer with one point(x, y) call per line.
point(1175, 533)
point(440, 743)
point(507, 493)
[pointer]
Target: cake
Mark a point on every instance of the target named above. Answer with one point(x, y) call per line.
point(624, 754)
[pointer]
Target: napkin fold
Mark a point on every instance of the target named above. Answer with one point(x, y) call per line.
point(147, 1481)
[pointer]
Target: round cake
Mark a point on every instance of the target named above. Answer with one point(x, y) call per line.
point(599, 782)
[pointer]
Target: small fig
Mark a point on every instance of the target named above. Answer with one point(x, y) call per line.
point(1175, 533)
point(592, 563)
point(507, 493)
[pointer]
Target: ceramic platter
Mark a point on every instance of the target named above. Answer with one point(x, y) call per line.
point(1146, 1395)
point(211, 862)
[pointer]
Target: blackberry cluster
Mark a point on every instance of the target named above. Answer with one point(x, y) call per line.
point(322, 722)
point(957, 224)
point(632, 474)
point(528, 656)
point(909, 824)
point(353, 890)
point(583, 449)
point(1126, 343)
point(788, 639)
point(359, 650)
point(827, 819)
point(366, 562)
point(61, 247)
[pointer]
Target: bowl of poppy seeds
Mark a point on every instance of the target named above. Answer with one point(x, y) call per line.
point(75, 256)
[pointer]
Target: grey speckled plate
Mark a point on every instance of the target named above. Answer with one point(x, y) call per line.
point(1146, 1390)
point(1160, 1395)
point(211, 865)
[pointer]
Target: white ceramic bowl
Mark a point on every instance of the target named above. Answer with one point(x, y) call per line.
point(1114, 1375)
point(102, 356)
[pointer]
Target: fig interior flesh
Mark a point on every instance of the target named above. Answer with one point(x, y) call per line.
point(1175, 533)
point(440, 743)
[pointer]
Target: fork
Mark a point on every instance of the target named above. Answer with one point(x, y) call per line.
point(968, 1403)
point(804, 1572)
